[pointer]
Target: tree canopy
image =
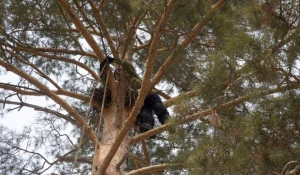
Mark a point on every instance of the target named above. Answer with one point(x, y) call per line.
point(228, 72)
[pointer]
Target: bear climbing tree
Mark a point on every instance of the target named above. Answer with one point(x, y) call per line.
point(140, 87)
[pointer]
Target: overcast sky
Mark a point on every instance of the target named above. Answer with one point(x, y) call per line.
point(16, 119)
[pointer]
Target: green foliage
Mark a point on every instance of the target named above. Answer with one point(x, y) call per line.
point(186, 14)
point(260, 142)
point(245, 48)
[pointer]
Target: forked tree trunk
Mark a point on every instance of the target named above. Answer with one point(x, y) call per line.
point(110, 132)
point(114, 118)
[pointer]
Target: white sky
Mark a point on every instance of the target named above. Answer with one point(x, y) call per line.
point(15, 119)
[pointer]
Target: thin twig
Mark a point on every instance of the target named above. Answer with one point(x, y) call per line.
point(40, 108)
point(153, 168)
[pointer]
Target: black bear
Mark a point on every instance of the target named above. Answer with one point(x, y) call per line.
point(145, 118)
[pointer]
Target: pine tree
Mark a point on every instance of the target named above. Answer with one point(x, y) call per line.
point(228, 72)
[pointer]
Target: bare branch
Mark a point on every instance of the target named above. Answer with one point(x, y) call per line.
point(163, 94)
point(210, 111)
point(186, 95)
point(90, 133)
point(40, 108)
point(17, 89)
point(62, 135)
point(54, 162)
point(31, 152)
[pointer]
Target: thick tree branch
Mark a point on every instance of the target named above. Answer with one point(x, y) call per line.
point(104, 29)
point(143, 92)
point(154, 168)
point(163, 94)
point(287, 166)
point(142, 45)
point(190, 94)
point(199, 26)
point(127, 54)
point(129, 43)
point(83, 14)
point(86, 34)
point(210, 111)
point(135, 158)
point(163, 69)
point(90, 133)
point(186, 95)
point(188, 38)
point(90, 40)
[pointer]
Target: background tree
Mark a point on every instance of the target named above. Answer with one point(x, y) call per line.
point(232, 68)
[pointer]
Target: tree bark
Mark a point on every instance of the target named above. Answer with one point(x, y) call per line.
point(108, 137)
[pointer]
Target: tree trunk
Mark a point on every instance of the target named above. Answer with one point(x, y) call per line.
point(110, 132)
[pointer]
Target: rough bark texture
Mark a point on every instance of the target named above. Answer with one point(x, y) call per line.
point(108, 137)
